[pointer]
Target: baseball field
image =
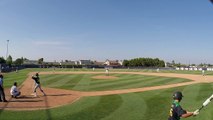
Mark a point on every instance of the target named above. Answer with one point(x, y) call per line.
point(84, 94)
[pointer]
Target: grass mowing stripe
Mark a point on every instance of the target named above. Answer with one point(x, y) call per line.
point(167, 81)
point(178, 80)
point(60, 113)
point(48, 77)
point(120, 78)
point(64, 80)
point(126, 80)
point(106, 106)
point(129, 80)
point(74, 78)
point(53, 80)
point(200, 92)
point(67, 86)
point(80, 106)
point(158, 104)
point(84, 83)
point(136, 84)
point(70, 80)
point(126, 75)
point(204, 92)
point(132, 108)
point(60, 82)
point(191, 93)
point(113, 86)
point(157, 82)
point(74, 81)
point(151, 82)
point(10, 78)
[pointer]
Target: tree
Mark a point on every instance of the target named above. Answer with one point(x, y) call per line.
point(40, 61)
point(125, 63)
point(9, 60)
point(19, 61)
point(144, 62)
point(2, 60)
point(173, 62)
point(24, 59)
point(193, 65)
point(201, 64)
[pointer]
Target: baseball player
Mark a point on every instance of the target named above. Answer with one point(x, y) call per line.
point(176, 111)
point(107, 72)
point(2, 94)
point(203, 72)
point(37, 84)
point(14, 91)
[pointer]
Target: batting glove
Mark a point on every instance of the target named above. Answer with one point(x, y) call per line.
point(196, 112)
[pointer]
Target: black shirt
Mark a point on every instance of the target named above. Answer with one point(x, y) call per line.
point(176, 111)
point(36, 78)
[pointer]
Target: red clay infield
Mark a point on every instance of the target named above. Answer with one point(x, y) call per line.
point(59, 97)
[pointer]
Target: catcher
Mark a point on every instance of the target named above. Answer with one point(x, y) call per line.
point(14, 91)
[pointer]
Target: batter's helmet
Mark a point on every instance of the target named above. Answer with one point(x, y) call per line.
point(37, 74)
point(177, 96)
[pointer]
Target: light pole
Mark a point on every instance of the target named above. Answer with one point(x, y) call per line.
point(7, 49)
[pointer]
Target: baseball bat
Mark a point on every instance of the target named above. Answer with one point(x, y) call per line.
point(206, 102)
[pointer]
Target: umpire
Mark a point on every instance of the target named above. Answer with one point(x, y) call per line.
point(176, 111)
point(2, 94)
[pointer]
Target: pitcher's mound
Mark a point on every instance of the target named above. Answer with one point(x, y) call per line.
point(104, 77)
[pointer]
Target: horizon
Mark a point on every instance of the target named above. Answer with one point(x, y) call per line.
point(190, 64)
point(108, 29)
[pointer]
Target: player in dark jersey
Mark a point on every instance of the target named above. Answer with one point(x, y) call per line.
point(37, 84)
point(2, 94)
point(176, 111)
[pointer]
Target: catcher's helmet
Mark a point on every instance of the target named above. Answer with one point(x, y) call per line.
point(1, 76)
point(177, 96)
point(15, 83)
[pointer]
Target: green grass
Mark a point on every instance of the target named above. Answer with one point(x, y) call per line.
point(10, 78)
point(150, 105)
point(85, 82)
point(19, 77)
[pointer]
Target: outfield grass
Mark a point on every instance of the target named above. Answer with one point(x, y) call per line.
point(19, 77)
point(135, 70)
point(86, 82)
point(150, 105)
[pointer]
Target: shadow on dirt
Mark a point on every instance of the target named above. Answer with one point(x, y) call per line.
point(59, 95)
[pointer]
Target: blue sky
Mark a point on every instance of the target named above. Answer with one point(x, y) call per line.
point(179, 30)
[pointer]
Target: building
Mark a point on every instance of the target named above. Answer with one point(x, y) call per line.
point(83, 62)
point(30, 62)
point(98, 63)
point(67, 63)
point(113, 63)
